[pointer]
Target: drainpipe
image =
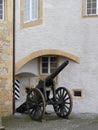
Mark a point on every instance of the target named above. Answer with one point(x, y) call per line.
point(13, 56)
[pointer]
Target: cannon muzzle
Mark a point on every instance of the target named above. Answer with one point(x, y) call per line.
point(59, 69)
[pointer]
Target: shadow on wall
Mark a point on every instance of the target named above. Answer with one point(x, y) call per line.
point(23, 80)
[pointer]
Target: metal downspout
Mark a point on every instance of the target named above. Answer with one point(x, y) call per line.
point(13, 56)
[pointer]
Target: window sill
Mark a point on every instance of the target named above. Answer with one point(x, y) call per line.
point(31, 23)
point(2, 20)
point(90, 15)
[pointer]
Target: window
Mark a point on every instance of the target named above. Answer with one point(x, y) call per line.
point(77, 93)
point(30, 10)
point(91, 7)
point(30, 13)
point(1, 9)
point(48, 64)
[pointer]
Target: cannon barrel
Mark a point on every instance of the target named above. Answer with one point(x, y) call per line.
point(57, 71)
point(48, 81)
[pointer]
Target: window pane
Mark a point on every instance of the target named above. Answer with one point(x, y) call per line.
point(45, 71)
point(88, 5)
point(53, 59)
point(88, 11)
point(0, 16)
point(52, 70)
point(44, 64)
point(94, 1)
point(1, 12)
point(93, 11)
point(26, 10)
point(93, 5)
point(0, 6)
point(34, 11)
point(88, 1)
point(45, 59)
point(53, 64)
point(1, 1)
point(1, 9)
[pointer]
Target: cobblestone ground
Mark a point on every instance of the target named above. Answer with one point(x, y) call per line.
point(52, 122)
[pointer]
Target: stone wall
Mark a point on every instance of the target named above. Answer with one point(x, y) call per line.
point(6, 60)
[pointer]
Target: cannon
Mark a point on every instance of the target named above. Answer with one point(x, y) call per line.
point(38, 98)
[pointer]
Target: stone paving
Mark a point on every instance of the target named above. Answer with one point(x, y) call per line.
point(52, 122)
point(1, 127)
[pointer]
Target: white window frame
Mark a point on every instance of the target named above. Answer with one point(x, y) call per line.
point(31, 19)
point(2, 10)
point(96, 8)
point(49, 69)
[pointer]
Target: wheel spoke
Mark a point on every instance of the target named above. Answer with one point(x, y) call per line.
point(65, 95)
point(61, 92)
point(66, 99)
point(67, 102)
point(66, 107)
point(59, 95)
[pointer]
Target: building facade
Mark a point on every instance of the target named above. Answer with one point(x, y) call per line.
point(47, 32)
point(67, 30)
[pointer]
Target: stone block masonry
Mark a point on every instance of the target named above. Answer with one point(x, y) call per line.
point(6, 60)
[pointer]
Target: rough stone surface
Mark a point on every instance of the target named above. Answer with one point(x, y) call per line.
point(6, 60)
point(52, 122)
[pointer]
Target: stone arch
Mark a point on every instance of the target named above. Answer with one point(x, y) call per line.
point(36, 54)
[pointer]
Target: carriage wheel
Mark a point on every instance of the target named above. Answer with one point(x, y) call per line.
point(63, 105)
point(35, 104)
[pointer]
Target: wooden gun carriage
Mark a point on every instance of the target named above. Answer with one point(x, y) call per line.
point(38, 98)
